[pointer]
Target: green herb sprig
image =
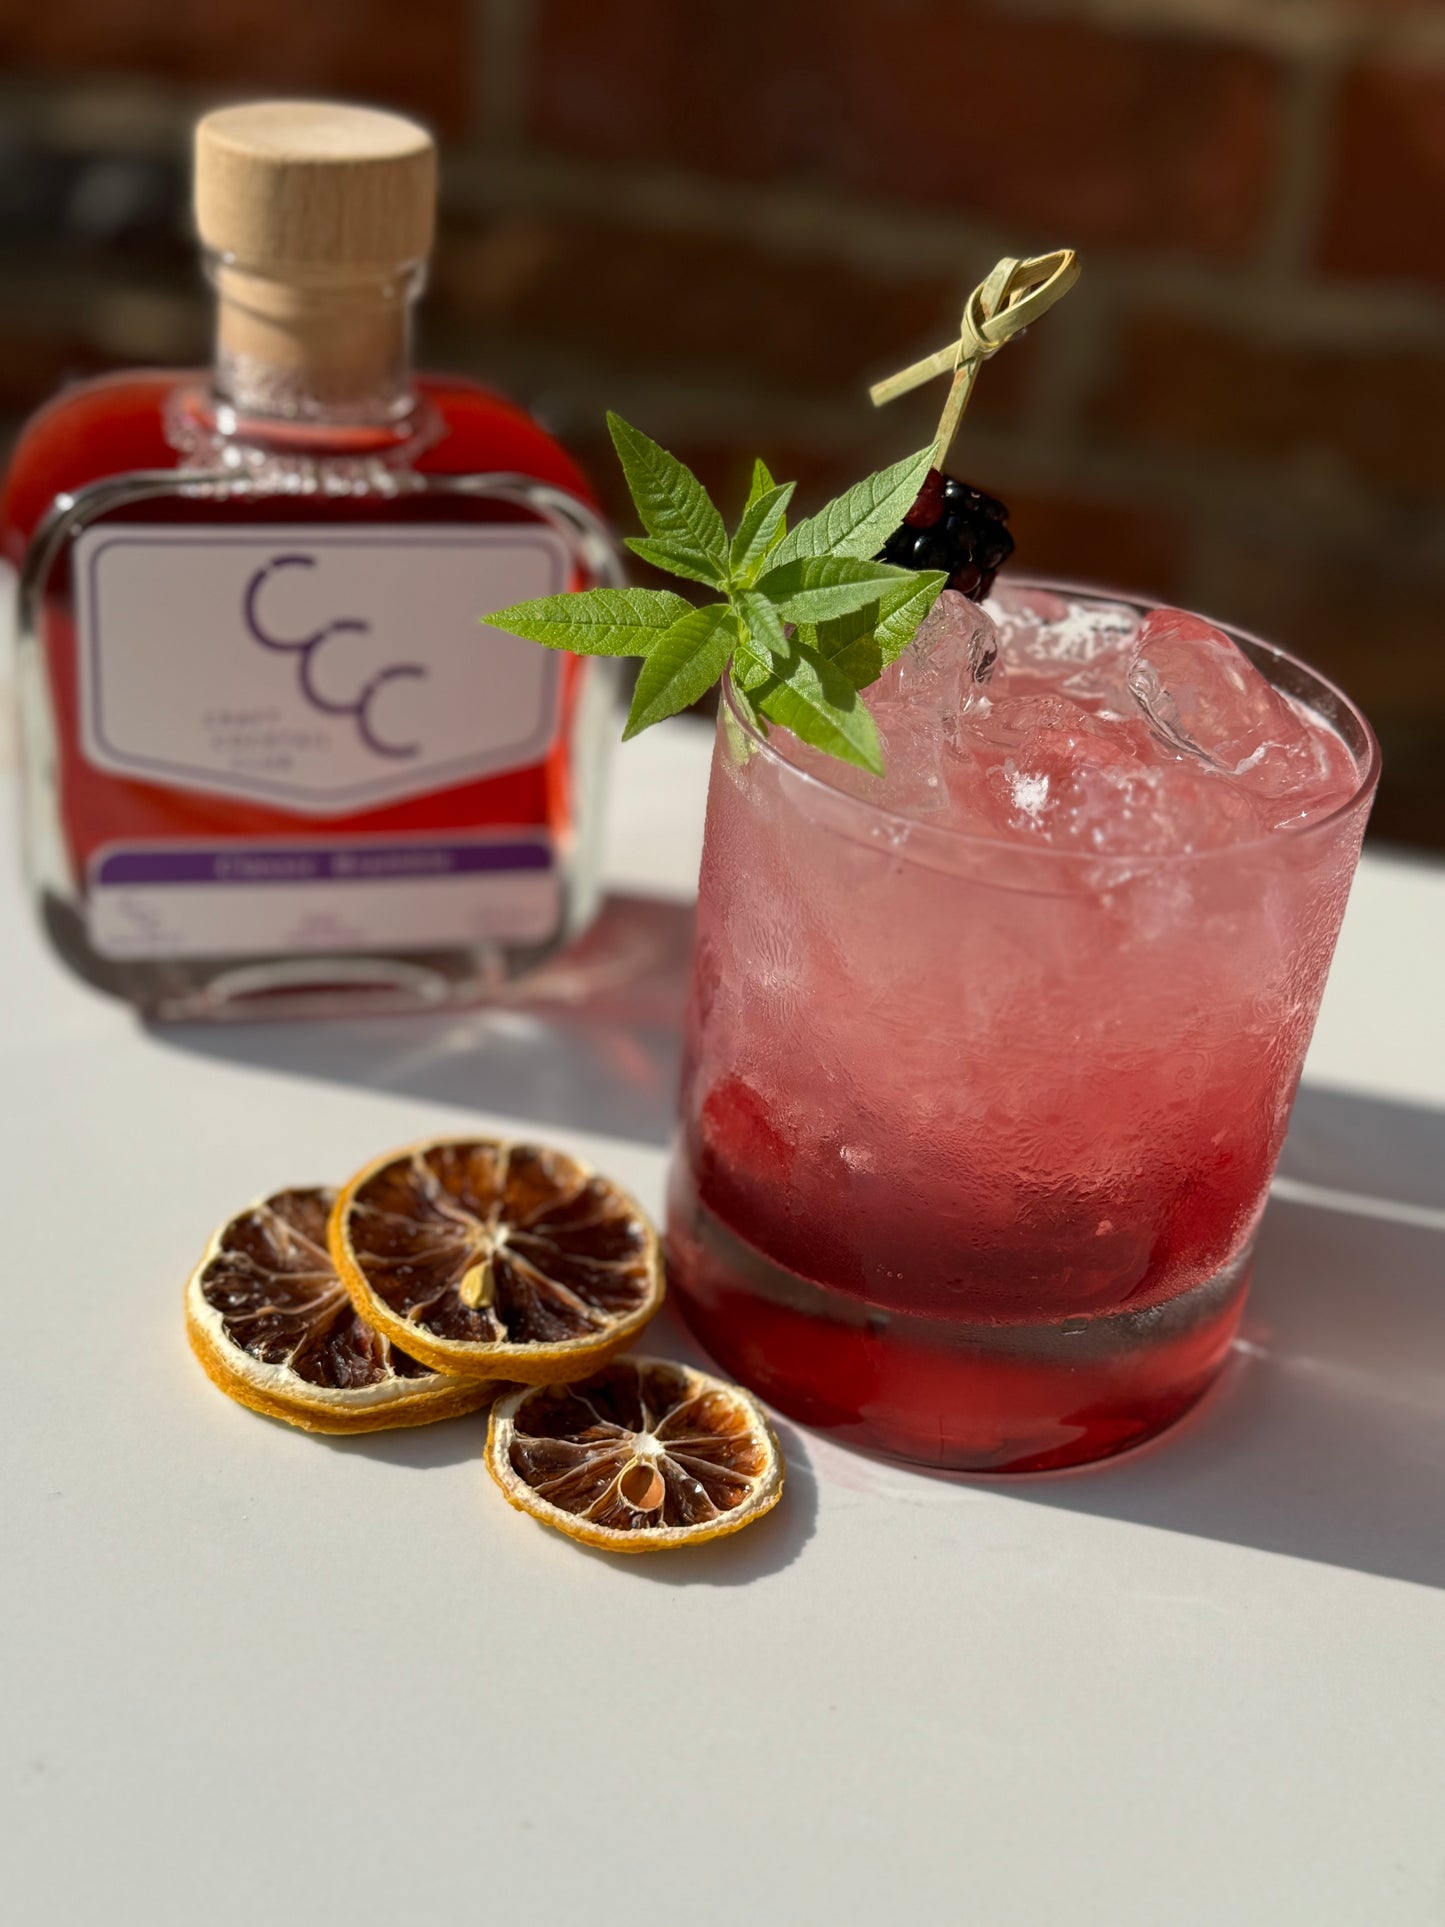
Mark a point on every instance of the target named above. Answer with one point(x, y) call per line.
point(806, 618)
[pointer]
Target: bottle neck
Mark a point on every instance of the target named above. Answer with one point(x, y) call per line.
point(314, 349)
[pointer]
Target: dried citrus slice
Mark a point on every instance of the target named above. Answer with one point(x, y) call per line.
point(272, 1325)
point(496, 1260)
point(642, 1456)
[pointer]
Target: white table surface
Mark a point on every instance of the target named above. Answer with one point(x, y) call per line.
point(252, 1675)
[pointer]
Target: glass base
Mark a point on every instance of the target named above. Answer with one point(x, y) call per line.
point(1030, 1396)
point(211, 989)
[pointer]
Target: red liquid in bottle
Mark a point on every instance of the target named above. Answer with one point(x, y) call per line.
point(118, 425)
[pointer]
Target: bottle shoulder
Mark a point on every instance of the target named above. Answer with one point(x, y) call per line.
point(108, 425)
point(118, 424)
point(485, 433)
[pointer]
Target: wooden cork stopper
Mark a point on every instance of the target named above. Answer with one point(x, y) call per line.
point(314, 188)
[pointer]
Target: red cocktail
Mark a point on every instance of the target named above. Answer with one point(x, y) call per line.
point(990, 1059)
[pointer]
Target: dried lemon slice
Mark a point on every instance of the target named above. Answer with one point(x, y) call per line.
point(496, 1260)
point(272, 1325)
point(643, 1456)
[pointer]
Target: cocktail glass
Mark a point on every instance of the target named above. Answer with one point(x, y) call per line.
point(976, 1134)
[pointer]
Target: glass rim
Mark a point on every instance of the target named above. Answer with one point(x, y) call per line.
point(906, 829)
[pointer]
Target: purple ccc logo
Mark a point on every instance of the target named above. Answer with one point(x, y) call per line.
point(305, 647)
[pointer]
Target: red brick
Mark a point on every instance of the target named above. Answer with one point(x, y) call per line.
point(383, 50)
point(1363, 614)
point(1383, 211)
point(716, 309)
point(656, 92)
point(1371, 620)
point(36, 359)
point(1186, 387)
point(1068, 130)
point(1122, 544)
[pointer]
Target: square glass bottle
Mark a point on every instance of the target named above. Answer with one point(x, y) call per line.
point(274, 761)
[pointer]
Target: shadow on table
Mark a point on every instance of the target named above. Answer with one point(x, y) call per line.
point(766, 1547)
point(592, 1042)
point(422, 1448)
point(1327, 1438)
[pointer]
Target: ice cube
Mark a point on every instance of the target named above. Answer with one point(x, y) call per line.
point(1083, 646)
point(956, 647)
point(1005, 724)
point(917, 700)
point(1204, 699)
point(1042, 767)
point(1133, 809)
point(913, 748)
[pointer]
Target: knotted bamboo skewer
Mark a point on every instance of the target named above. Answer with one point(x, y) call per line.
point(1016, 293)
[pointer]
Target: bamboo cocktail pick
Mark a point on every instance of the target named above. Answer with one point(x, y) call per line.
point(1016, 293)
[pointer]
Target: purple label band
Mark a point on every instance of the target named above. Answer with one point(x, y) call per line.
point(338, 865)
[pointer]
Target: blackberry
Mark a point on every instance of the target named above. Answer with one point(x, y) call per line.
point(954, 528)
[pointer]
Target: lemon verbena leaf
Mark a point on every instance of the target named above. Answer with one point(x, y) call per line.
point(744, 703)
point(594, 622)
point(848, 643)
point(902, 608)
point(750, 670)
point(814, 699)
point(760, 530)
point(837, 632)
point(674, 559)
point(861, 661)
point(683, 665)
point(763, 627)
point(860, 521)
point(672, 503)
point(761, 483)
point(816, 587)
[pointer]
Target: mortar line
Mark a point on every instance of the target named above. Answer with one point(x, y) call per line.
point(1306, 125)
point(505, 37)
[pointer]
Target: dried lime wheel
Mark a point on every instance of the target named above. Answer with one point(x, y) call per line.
point(272, 1325)
point(643, 1456)
point(497, 1260)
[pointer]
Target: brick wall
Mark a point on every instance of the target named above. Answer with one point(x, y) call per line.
point(725, 217)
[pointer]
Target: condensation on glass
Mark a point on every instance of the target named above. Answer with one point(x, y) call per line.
point(975, 1134)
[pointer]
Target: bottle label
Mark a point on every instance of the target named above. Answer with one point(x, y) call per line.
point(322, 671)
point(345, 894)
